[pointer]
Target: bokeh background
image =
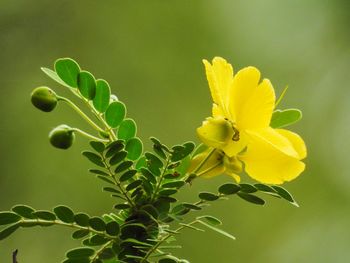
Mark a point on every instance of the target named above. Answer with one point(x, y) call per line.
point(151, 52)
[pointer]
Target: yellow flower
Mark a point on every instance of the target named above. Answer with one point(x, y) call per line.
point(240, 127)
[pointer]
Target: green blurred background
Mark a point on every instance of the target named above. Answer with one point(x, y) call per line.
point(151, 52)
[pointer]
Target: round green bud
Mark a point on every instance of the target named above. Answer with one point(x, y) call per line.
point(62, 137)
point(44, 99)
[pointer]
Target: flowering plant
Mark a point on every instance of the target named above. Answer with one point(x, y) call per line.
point(244, 134)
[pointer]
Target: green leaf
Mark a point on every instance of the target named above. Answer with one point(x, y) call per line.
point(159, 151)
point(8, 218)
point(167, 192)
point(80, 233)
point(95, 171)
point(64, 213)
point(127, 129)
point(180, 152)
point(283, 118)
point(121, 206)
point(97, 223)
point(127, 175)
point(4, 233)
point(141, 163)
point(94, 158)
point(149, 176)
point(208, 196)
point(24, 211)
point(115, 113)
point(97, 146)
point(114, 147)
point(106, 253)
point(248, 188)
point(134, 148)
point(123, 166)
point(192, 206)
point(133, 185)
point(87, 85)
point(68, 70)
point(168, 260)
point(105, 179)
point(174, 184)
point(118, 157)
point(111, 190)
point(265, 188)
point(82, 219)
point(211, 220)
point(97, 240)
point(112, 228)
point(251, 198)
point(222, 232)
point(53, 75)
point(45, 215)
point(153, 162)
point(229, 189)
point(102, 96)
point(82, 252)
point(285, 194)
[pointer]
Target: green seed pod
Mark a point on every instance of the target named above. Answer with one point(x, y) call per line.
point(62, 137)
point(44, 99)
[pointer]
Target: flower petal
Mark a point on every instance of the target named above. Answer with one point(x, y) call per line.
point(220, 77)
point(251, 104)
point(215, 132)
point(232, 148)
point(296, 141)
point(271, 158)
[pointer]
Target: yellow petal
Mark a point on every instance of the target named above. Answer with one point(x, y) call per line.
point(296, 141)
point(270, 158)
point(215, 132)
point(232, 148)
point(217, 111)
point(250, 103)
point(220, 77)
point(213, 166)
point(234, 176)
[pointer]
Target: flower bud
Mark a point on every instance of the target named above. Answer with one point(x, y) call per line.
point(44, 99)
point(62, 137)
point(215, 132)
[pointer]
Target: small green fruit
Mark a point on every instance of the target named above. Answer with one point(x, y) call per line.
point(62, 137)
point(44, 99)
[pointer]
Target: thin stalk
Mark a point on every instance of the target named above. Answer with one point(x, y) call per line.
point(81, 113)
point(210, 168)
point(204, 160)
point(88, 135)
point(155, 247)
point(98, 252)
point(121, 188)
point(71, 225)
point(160, 179)
point(100, 118)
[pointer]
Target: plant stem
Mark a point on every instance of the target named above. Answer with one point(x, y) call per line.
point(61, 223)
point(81, 113)
point(98, 252)
point(121, 188)
point(210, 168)
point(204, 160)
point(88, 135)
point(160, 179)
point(155, 247)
